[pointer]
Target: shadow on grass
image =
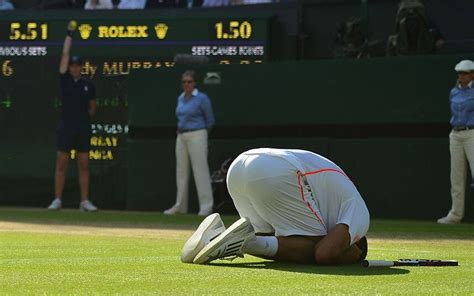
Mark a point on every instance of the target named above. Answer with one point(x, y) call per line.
point(345, 270)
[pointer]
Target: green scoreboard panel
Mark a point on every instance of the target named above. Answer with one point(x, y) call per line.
point(219, 38)
point(113, 44)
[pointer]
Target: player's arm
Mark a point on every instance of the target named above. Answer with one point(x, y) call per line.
point(335, 248)
point(67, 47)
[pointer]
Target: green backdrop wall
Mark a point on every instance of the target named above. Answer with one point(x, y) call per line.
point(383, 120)
point(379, 90)
point(398, 157)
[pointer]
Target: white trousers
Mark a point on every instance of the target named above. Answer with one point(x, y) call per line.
point(461, 146)
point(191, 151)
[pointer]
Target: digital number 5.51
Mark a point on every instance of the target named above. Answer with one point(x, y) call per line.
point(28, 31)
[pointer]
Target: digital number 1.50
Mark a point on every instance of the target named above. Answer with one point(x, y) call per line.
point(233, 30)
point(28, 31)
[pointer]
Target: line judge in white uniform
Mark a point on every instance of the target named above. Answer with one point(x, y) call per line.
point(296, 206)
point(195, 119)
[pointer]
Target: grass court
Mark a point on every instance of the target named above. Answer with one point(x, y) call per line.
point(132, 253)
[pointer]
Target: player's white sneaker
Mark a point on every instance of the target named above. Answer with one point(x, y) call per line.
point(227, 244)
point(209, 229)
point(87, 206)
point(448, 220)
point(55, 205)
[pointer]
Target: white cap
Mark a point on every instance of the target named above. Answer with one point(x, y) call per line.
point(464, 66)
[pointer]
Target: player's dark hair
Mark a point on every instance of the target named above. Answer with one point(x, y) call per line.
point(190, 73)
point(363, 246)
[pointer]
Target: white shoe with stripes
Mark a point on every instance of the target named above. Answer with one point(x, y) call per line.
point(210, 228)
point(228, 244)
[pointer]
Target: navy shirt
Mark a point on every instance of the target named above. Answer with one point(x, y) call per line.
point(462, 106)
point(75, 98)
point(194, 113)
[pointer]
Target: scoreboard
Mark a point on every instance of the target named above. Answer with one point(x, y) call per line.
point(113, 44)
point(220, 39)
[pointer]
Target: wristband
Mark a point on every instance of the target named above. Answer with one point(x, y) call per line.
point(69, 33)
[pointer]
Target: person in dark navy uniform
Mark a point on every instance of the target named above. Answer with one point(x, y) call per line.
point(74, 129)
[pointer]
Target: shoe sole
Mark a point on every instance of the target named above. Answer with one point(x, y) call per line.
point(166, 212)
point(202, 257)
point(448, 222)
point(192, 243)
point(84, 210)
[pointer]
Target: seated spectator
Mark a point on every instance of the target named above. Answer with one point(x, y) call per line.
point(153, 4)
point(247, 2)
point(215, 3)
point(353, 42)
point(132, 4)
point(415, 33)
point(99, 4)
point(6, 5)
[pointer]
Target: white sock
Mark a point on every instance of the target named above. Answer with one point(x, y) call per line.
point(262, 246)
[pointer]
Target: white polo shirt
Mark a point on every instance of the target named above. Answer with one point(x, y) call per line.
point(305, 194)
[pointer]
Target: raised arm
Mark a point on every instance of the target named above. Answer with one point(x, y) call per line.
point(67, 47)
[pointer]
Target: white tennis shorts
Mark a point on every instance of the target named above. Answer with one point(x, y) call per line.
point(278, 198)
